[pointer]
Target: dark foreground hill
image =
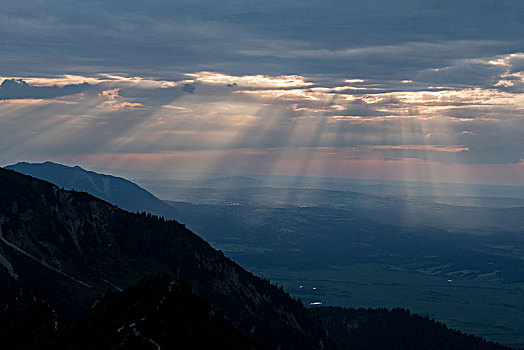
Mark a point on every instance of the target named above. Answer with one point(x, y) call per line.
point(70, 247)
point(397, 329)
point(60, 251)
point(158, 312)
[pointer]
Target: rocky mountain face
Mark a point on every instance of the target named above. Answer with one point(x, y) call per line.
point(70, 247)
point(158, 313)
point(115, 190)
point(27, 321)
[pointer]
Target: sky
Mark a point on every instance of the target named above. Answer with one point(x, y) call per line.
point(403, 90)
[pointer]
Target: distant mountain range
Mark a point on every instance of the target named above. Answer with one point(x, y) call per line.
point(61, 251)
point(115, 190)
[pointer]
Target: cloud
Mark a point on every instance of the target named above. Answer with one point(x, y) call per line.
point(251, 81)
point(114, 106)
point(188, 88)
point(410, 81)
point(376, 38)
point(492, 154)
point(138, 114)
point(19, 89)
point(500, 71)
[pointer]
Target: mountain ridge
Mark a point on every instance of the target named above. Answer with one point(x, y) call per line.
point(113, 189)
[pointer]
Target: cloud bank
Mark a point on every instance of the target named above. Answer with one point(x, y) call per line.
point(321, 86)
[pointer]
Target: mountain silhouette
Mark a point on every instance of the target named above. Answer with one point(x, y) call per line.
point(115, 190)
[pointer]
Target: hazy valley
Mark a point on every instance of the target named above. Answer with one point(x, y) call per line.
point(408, 246)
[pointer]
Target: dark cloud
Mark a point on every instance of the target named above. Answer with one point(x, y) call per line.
point(151, 96)
point(19, 89)
point(188, 88)
point(462, 73)
point(373, 38)
point(492, 154)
